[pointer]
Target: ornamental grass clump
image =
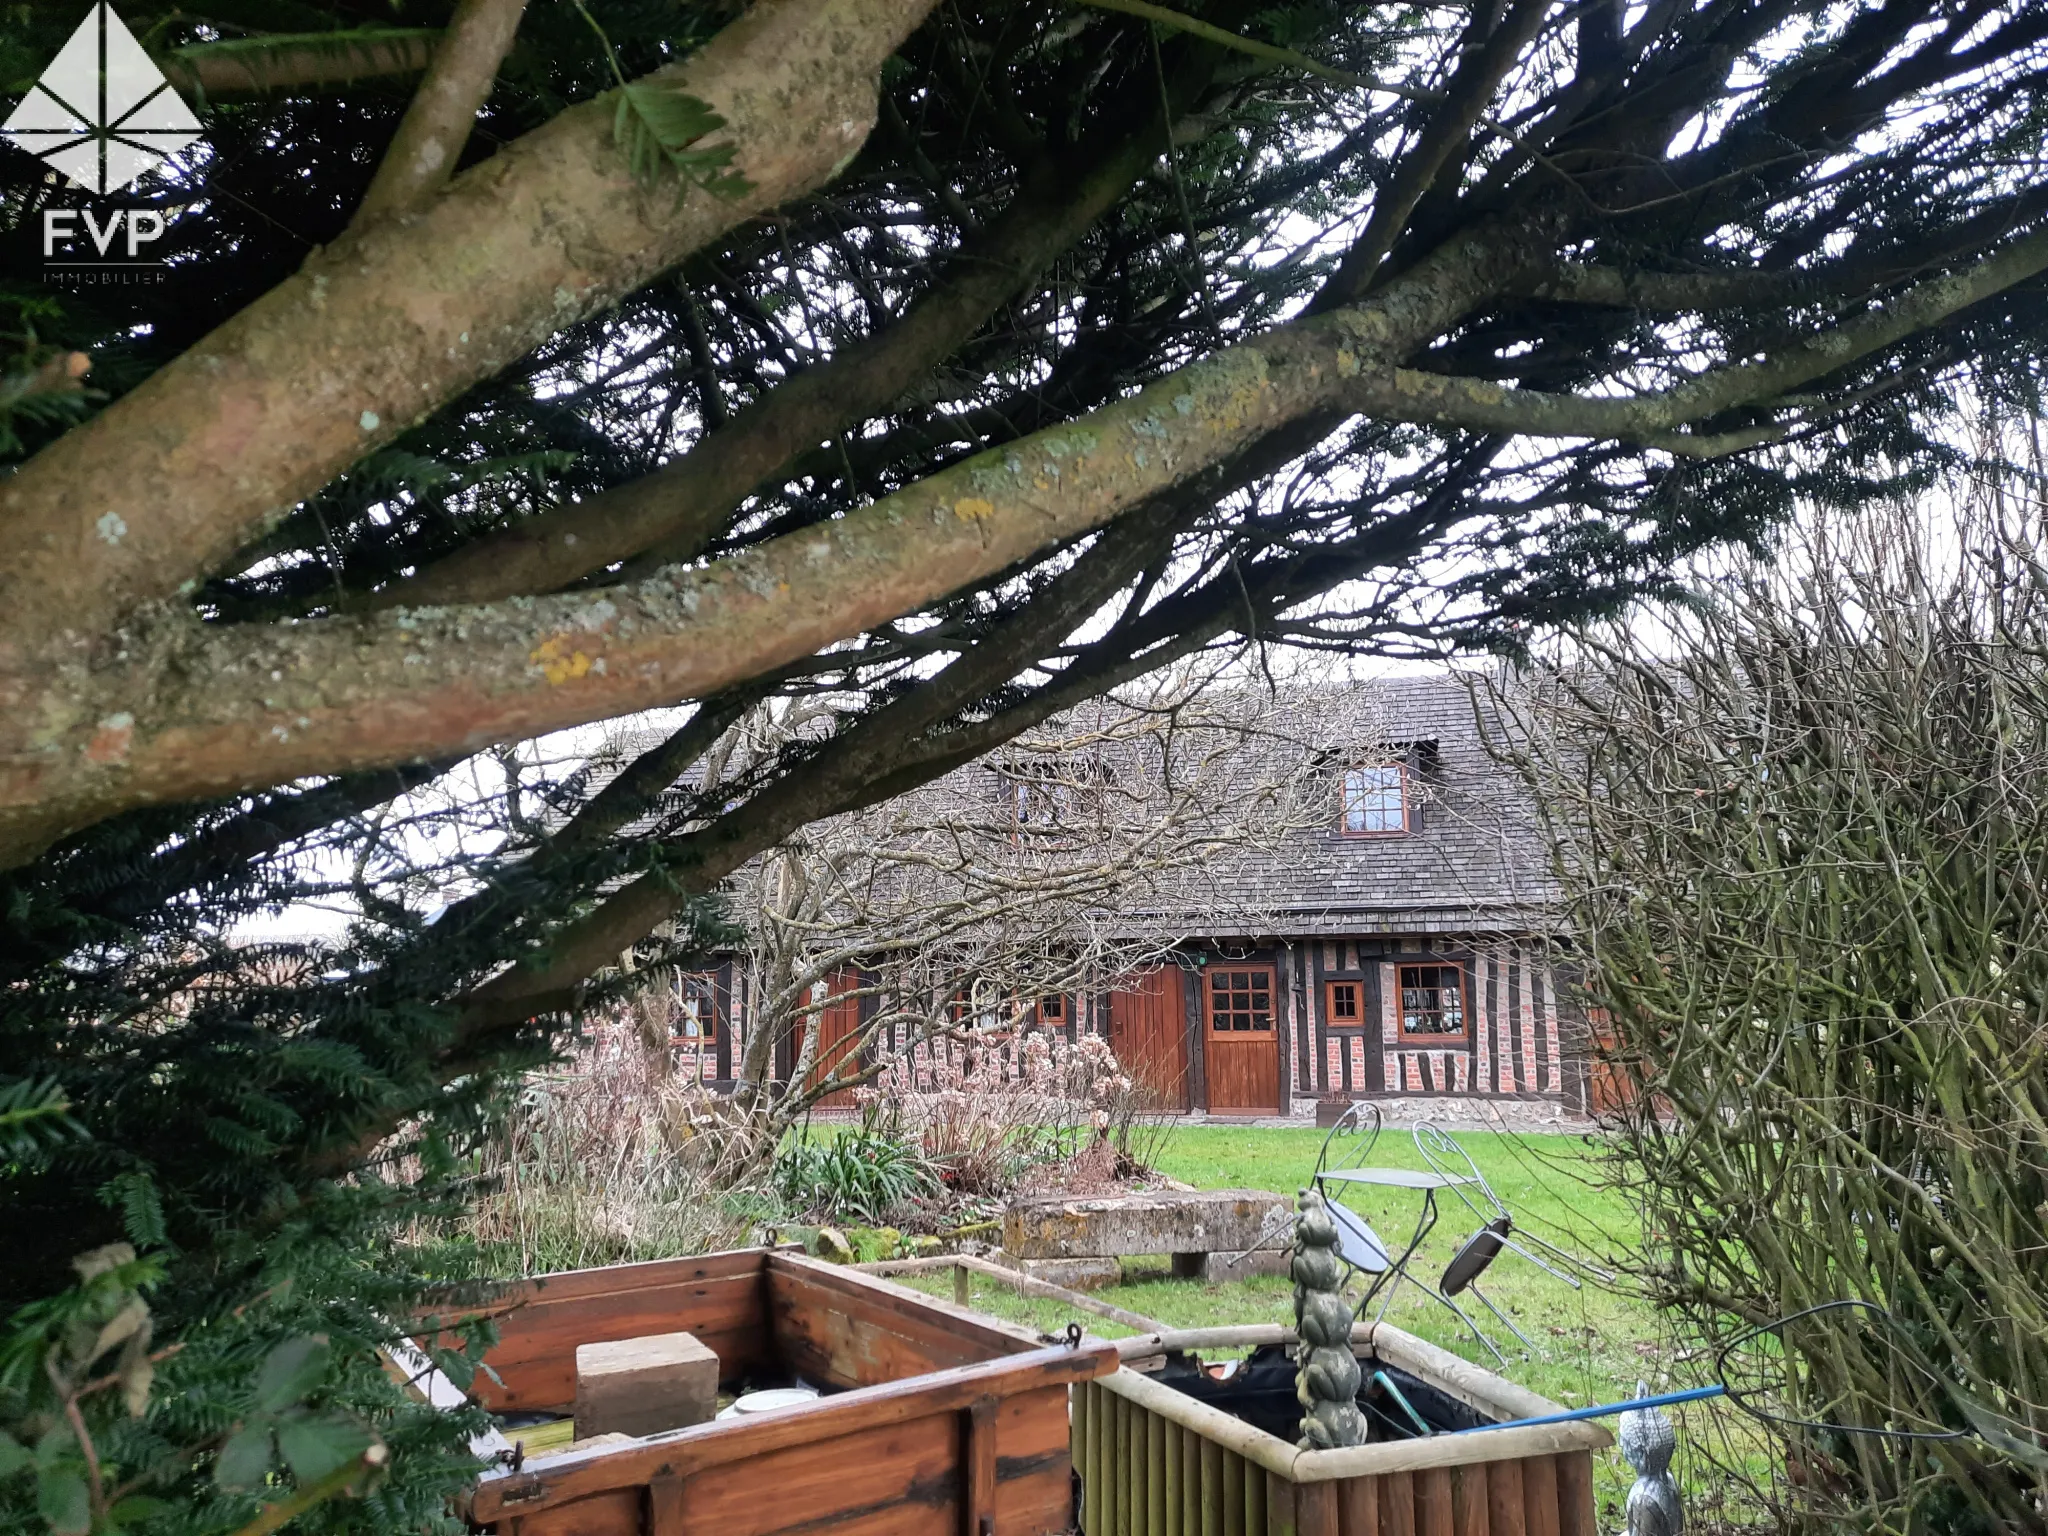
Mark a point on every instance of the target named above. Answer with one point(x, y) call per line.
point(1804, 829)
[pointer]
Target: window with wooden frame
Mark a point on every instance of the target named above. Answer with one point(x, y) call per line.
point(1433, 1003)
point(1240, 1002)
point(1343, 1004)
point(1052, 1010)
point(1372, 800)
point(696, 1020)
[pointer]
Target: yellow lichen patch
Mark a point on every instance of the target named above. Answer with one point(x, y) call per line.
point(559, 660)
point(972, 509)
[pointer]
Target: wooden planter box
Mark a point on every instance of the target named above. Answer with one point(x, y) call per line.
point(1155, 1460)
point(949, 1423)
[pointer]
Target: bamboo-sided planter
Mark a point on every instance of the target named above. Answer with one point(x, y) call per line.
point(948, 1422)
point(1156, 1462)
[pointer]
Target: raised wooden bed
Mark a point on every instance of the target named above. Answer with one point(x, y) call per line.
point(946, 1421)
point(1157, 1461)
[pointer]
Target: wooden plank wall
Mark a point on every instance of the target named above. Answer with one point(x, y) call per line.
point(1144, 1475)
point(721, 1298)
point(847, 1330)
point(980, 1449)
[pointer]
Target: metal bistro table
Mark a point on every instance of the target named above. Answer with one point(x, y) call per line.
point(1364, 1250)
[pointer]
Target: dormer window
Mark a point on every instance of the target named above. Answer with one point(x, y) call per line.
point(1373, 801)
point(1037, 803)
point(1046, 795)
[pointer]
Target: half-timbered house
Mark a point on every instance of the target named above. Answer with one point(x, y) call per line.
point(1409, 945)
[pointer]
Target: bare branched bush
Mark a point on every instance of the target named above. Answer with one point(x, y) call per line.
point(1805, 829)
point(989, 1128)
point(1085, 849)
point(585, 1172)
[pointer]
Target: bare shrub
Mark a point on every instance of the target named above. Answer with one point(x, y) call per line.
point(993, 1116)
point(585, 1172)
point(1806, 832)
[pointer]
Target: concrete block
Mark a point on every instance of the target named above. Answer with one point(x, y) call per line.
point(1203, 1221)
point(1221, 1268)
point(1082, 1274)
point(645, 1385)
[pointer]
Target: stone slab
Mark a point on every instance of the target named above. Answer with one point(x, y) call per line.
point(643, 1386)
point(1222, 1268)
point(1075, 1274)
point(1166, 1221)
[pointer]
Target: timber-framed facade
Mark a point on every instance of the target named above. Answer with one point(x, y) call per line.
point(1407, 950)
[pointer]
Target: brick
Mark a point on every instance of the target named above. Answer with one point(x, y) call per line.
point(645, 1385)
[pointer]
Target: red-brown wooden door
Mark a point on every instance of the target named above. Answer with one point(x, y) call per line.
point(1240, 1044)
point(838, 1020)
point(1148, 1030)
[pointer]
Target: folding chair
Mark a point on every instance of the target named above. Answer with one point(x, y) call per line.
point(1497, 1230)
point(1343, 1164)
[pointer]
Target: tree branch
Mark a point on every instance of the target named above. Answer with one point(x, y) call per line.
point(423, 153)
point(681, 507)
point(1401, 394)
point(350, 694)
point(342, 694)
point(1237, 42)
point(264, 66)
point(1449, 129)
point(379, 330)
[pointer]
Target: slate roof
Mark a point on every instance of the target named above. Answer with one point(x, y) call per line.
point(1476, 861)
point(1474, 864)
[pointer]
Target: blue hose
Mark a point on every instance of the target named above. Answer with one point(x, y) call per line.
point(1690, 1395)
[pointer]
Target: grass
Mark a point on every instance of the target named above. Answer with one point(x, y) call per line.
point(1596, 1342)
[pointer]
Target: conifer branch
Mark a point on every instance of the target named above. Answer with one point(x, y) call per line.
point(282, 63)
point(430, 137)
point(377, 331)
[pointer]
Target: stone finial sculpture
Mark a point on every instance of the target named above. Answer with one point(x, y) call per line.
point(1647, 1441)
point(1326, 1372)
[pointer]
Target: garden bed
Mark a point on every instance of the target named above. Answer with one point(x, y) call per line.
point(1162, 1447)
point(936, 1420)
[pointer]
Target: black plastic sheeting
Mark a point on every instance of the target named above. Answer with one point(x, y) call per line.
point(1261, 1392)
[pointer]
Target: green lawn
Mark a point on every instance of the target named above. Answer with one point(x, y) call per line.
point(1596, 1341)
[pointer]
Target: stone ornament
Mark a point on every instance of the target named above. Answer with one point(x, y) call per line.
point(1326, 1374)
point(1647, 1441)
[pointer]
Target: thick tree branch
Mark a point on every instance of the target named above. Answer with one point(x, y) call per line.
point(681, 507)
point(270, 65)
point(435, 127)
point(382, 328)
point(349, 694)
point(1401, 394)
point(266, 705)
point(1570, 282)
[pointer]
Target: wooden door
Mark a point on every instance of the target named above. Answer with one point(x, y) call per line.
point(1148, 1030)
point(1611, 1083)
point(838, 1022)
point(1240, 1045)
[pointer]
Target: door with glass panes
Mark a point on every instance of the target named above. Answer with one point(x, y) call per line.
point(1240, 1040)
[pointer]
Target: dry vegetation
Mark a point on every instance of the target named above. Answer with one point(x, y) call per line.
point(1807, 834)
